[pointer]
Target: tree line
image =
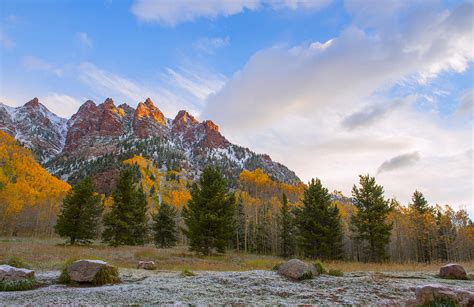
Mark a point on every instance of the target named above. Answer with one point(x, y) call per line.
point(216, 219)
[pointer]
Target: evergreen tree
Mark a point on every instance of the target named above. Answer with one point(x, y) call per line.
point(369, 221)
point(286, 228)
point(209, 215)
point(419, 203)
point(164, 226)
point(80, 214)
point(422, 214)
point(126, 223)
point(319, 224)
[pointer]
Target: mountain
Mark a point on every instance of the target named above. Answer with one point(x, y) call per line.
point(34, 126)
point(95, 140)
point(29, 195)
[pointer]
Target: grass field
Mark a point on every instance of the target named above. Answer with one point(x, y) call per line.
point(49, 254)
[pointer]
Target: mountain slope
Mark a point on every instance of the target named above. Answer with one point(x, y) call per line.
point(35, 127)
point(29, 195)
point(99, 137)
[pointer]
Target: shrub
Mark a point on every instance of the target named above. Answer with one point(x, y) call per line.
point(441, 302)
point(187, 273)
point(276, 267)
point(106, 275)
point(17, 285)
point(17, 263)
point(319, 267)
point(335, 272)
point(306, 275)
point(64, 276)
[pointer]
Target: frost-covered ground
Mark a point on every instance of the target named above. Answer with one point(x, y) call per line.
point(250, 287)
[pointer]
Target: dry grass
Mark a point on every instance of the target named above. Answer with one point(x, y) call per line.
point(47, 254)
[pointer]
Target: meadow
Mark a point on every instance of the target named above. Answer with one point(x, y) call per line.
point(51, 253)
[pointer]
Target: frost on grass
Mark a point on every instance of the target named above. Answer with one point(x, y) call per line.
point(250, 287)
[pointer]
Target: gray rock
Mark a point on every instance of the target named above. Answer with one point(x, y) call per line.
point(85, 270)
point(8, 272)
point(297, 270)
point(146, 265)
point(452, 271)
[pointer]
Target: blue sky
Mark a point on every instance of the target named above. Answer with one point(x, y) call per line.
point(330, 88)
point(61, 34)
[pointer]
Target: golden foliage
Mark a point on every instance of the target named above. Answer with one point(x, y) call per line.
point(259, 185)
point(172, 191)
point(24, 184)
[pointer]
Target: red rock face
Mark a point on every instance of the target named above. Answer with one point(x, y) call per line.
point(148, 120)
point(182, 121)
point(205, 134)
point(92, 121)
point(212, 137)
point(184, 126)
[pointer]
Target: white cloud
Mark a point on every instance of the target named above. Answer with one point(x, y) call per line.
point(171, 13)
point(109, 84)
point(351, 67)
point(198, 83)
point(84, 39)
point(60, 104)
point(369, 114)
point(34, 63)
point(302, 105)
point(175, 89)
point(210, 44)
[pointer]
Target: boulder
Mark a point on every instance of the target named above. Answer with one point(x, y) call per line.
point(427, 295)
point(146, 265)
point(452, 271)
point(85, 270)
point(297, 270)
point(8, 272)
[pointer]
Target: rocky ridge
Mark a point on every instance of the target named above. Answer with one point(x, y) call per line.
point(99, 136)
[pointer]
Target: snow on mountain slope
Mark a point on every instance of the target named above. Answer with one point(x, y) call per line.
point(98, 137)
point(34, 126)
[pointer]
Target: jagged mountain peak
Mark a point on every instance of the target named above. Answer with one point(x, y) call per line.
point(211, 125)
point(149, 103)
point(183, 117)
point(106, 132)
point(33, 103)
point(36, 127)
point(108, 103)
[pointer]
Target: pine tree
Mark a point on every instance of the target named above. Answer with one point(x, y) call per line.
point(164, 226)
point(420, 203)
point(369, 222)
point(422, 215)
point(126, 223)
point(209, 215)
point(319, 224)
point(80, 214)
point(286, 229)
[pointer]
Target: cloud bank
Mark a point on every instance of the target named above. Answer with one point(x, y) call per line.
point(332, 109)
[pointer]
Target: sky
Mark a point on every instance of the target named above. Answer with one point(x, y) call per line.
point(330, 88)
